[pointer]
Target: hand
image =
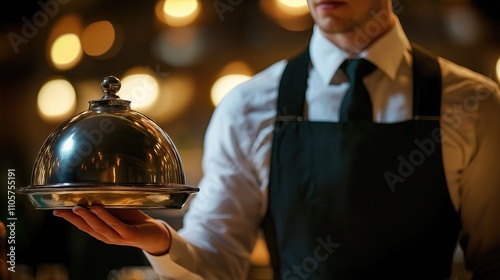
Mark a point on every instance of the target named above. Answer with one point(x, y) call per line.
point(120, 227)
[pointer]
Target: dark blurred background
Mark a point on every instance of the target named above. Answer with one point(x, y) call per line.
point(193, 51)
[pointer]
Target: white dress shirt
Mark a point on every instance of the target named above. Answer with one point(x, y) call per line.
point(222, 224)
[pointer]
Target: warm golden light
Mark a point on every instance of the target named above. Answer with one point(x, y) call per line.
point(177, 12)
point(260, 254)
point(292, 15)
point(65, 28)
point(225, 84)
point(498, 69)
point(180, 8)
point(237, 67)
point(293, 3)
point(98, 38)
point(66, 51)
point(230, 76)
point(56, 100)
point(293, 7)
point(141, 88)
point(177, 91)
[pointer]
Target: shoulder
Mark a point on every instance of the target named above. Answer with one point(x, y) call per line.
point(257, 94)
point(471, 101)
point(245, 116)
point(465, 88)
point(457, 78)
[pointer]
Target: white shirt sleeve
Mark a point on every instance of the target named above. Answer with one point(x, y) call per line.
point(471, 151)
point(222, 224)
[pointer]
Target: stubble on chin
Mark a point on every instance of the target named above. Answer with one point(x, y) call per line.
point(354, 36)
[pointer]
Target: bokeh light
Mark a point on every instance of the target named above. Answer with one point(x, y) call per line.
point(462, 24)
point(182, 46)
point(498, 69)
point(63, 47)
point(56, 100)
point(98, 38)
point(224, 85)
point(140, 86)
point(293, 7)
point(177, 91)
point(66, 51)
point(177, 12)
point(230, 76)
point(292, 15)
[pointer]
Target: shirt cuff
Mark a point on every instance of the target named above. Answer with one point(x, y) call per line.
point(164, 266)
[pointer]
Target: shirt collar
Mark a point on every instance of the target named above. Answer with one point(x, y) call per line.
point(326, 57)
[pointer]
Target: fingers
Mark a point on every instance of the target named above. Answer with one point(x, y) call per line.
point(123, 230)
point(90, 223)
point(97, 224)
point(119, 227)
point(71, 217)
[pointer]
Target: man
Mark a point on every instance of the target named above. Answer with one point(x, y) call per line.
point(341, 192)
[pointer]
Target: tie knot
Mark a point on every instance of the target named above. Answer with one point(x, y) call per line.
point(357, 68)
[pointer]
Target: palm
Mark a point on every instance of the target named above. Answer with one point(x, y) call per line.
point(125, 227)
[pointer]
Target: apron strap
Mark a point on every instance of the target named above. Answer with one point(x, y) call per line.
point(426, 86)
point(293, 86)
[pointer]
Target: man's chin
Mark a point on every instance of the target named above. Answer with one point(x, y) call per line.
point(333, 26)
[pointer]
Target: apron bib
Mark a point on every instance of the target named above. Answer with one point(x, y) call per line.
point(360, 200)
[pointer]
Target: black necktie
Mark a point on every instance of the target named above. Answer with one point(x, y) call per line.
point(356, 104)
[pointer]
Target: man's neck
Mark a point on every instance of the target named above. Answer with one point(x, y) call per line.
point(359, 39)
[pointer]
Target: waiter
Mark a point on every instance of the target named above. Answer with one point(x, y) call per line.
point(363, 157)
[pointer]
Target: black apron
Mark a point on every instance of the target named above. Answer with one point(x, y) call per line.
point(360, 200)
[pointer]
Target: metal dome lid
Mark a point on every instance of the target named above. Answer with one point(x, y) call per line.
point(111, 155)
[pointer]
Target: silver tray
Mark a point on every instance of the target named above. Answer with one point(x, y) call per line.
point(130, 197)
